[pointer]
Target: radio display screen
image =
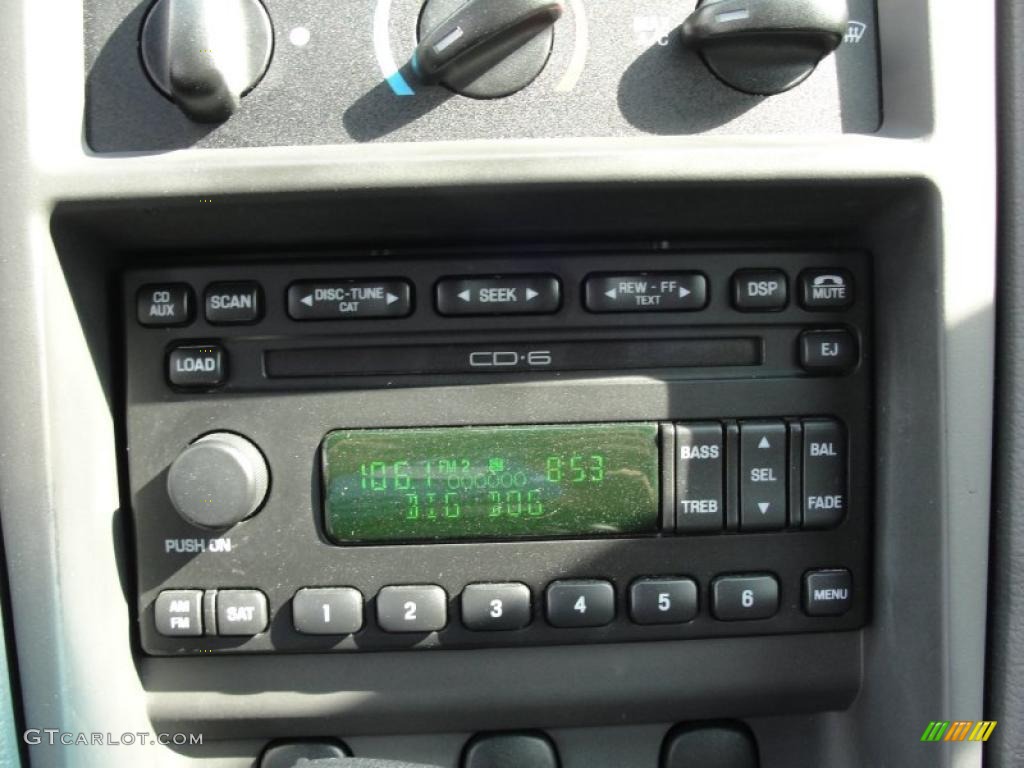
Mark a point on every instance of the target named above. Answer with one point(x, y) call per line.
point(389, 485)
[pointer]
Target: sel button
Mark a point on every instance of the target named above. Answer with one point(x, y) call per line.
point(763, 478)
point(516, 295)
point(197, 366)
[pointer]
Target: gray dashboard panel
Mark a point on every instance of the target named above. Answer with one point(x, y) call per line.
point(617, 69)
point(923, 206)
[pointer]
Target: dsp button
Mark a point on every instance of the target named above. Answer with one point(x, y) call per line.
point(233, 303)
point(516, 295)
point(763, 475)
point(699, 469)
point(164, 305)
point(348, 299)
point(760, 290)
point(825, 486)
point(197, 365)
point(241, 612)
point(643, 292)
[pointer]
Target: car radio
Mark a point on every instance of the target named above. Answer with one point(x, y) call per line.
point(467, 448)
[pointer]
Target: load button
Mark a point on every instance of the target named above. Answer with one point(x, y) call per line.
point(197, 365)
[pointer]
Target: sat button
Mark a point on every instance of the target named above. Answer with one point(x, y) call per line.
point(233, 303)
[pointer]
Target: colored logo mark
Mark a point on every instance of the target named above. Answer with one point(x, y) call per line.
point(958, 730)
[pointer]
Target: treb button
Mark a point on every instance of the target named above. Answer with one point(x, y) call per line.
point(700, 461)
point(646, 292)
point(509, 295)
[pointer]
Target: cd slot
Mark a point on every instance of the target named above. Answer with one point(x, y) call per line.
point(536, 357)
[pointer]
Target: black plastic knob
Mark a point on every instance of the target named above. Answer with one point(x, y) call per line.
point(205, 55)
point(486, 49)
point(218, 480)
point(765, 47)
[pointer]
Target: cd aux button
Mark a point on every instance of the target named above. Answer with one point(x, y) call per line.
point(349, 299)
point(511, 295)
point(164, 305)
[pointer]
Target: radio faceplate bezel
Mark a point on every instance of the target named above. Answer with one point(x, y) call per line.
point(283, 547)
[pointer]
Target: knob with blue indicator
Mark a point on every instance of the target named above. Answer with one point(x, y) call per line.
point(485, 49)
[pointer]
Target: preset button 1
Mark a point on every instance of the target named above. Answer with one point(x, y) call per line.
point(327, 611)
point(512, 295)
point(348, 299)
point(643, 292)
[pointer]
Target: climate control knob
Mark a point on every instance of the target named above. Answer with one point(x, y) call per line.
point(205, 55)
point(765, 47)
point(218, 480)
point(485, 48)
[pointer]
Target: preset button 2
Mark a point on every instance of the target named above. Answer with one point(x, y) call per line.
point(348, 299)
point(643, 292)
point(512, 295)
point(415, 608)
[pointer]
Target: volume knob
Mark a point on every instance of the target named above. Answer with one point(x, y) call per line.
point(218, 480)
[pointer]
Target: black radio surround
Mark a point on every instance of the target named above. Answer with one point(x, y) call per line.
point(473, 448)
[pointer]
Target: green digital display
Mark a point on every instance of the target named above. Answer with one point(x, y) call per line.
point(448, 483)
